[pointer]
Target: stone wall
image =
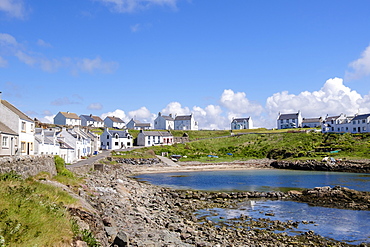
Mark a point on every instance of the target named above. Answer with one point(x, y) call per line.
point(27, 166)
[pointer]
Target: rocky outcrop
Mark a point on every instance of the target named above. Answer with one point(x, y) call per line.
point(336, 197)
point(139, 214)
point(314, 165)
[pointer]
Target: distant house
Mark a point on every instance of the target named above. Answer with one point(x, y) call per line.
point(242, 123)
point(20, 124)
point(114, 122)
point(137, 125)
point(185, 122)
point(67, 118)
point(291, 120)
point(46, 141)
point(163, 122)
point(311, 122)
point(8, 140)
point(116, 139)
point(153, 138)
point(336, 124)
point(361, 123)
point(91, 121)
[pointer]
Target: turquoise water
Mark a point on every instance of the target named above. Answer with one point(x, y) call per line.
point(258, 180)
point(350, 226)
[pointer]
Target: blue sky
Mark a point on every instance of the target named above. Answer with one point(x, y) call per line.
point(216, 59)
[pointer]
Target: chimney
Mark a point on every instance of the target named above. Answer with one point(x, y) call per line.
point(0, 95)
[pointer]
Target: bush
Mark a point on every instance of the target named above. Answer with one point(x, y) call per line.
point(61, 168)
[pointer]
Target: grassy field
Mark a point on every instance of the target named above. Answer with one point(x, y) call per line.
point(268, 144)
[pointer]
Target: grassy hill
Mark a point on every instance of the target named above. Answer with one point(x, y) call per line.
point(268, 144)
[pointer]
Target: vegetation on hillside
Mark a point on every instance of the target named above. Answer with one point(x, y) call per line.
point(274, 145)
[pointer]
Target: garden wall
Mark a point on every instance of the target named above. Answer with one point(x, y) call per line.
point(27, 166)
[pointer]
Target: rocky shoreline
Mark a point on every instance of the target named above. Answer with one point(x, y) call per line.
point(132, 213)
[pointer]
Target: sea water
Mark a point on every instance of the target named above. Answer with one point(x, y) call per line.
point(350, 226)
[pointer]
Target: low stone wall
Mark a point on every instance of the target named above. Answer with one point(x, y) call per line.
point(313, 165)
point(27, 166)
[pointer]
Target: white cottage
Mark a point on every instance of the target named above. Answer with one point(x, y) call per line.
point(242, 123)
point(185, 122)
point(137, 125)
point(337, 124)
point(291, 120)
point(361, 123)
point(20, 124)
point(153, 138)
point(67, 118)
point(163, 122)
point(114, 122)
point(116, 139)
point(46, 141)
point(91, 121)
point(8, 140)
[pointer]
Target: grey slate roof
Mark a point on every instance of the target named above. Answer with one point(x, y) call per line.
point(156, 133)
point(120, 133)
point(88, 117)
point(241, 119)
point(311, 120)
point(288, 116)
point(186, 117)
point(5, 129)
point(168, 118)
point(363, 116)
point(116, 119)
point(11, 107)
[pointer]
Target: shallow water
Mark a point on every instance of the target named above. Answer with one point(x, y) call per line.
point(258, 180)
point(344, 225)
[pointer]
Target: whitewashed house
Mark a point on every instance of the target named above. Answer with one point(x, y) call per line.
point(91, 121)
point(46, 141)
point(8, 140)
point(185, 122)
point(116, 139)
point(78, 140)
point(66, 151)
point(67, 118)
point(361, 123)
point(153, 138)
point(337, 124)
point(163, 122)
point(291, 120)
point(311, 122)
point(137, 125)
point(242, 123)
point(21, 124)
point(114, 122)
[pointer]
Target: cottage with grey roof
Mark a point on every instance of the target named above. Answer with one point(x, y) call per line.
point(163, 122)
point(185, 122)
point(67, 118)
point(116, 139)
point(114, 122)
point(242, 123)
point(154, 138)
point(134, 124)
point(91, 121)
point(290, 120)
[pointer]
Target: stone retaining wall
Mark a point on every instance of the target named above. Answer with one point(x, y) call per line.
point(27, 166)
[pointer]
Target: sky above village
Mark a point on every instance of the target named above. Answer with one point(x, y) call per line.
point(216, 59)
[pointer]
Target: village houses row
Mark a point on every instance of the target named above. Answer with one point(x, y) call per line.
point(72, 139)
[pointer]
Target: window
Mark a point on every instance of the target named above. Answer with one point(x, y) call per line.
point(31, 146)
point(116, 143)
point(32, 129)
point(364, 128)
point(23, 125)
point(107, 136)
point(23, 147)
point(354, 129)
point(354, 121)
point(363, 121)
point(5, 142)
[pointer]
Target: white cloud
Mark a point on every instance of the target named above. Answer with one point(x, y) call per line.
point(210, 117)
point(65, 101)
point(127, 6)
point(361, 66)
point(3, 62)
point(117, 113)
point(135, 28)
point(142, 114)
point(13, 48)
point(91, 65)
point(333, 98)
point(42, 43)
point(14, 8)
point(95, 106)
point(237, 104)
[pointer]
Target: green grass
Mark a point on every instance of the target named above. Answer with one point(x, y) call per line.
point(269, 144)
point(33, 214)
